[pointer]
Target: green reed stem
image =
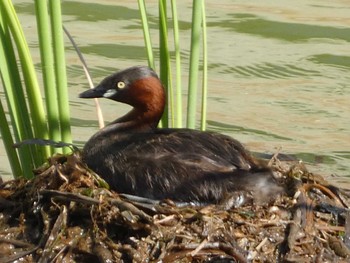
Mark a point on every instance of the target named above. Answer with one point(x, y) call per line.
point(175, 110)
point(205, 70)
point(194, 63)
point(146, 33)
point(60, 71)
point(48, 72)
point(164, 59)
point(178, 103)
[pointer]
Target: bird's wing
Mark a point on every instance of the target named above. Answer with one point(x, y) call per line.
point(205, 151)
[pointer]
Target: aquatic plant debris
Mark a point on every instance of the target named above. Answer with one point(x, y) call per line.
point(66, 213)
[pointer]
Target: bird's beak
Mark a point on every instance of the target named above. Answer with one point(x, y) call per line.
point(97, 92)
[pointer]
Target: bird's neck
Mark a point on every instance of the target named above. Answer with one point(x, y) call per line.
point(120, 129)
point(137, 120)
point(134, 121)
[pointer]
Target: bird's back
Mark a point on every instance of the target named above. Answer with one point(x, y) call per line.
point(180, 164)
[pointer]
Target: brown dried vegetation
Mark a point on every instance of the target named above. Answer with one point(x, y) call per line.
point(67, 214)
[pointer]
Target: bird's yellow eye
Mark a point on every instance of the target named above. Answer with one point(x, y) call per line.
point(121, 85)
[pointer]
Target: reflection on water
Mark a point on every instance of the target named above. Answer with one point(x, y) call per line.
point(279, 71)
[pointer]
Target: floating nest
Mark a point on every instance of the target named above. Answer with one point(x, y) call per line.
point(67, 214)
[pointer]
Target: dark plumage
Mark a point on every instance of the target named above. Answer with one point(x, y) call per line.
point(135, 157)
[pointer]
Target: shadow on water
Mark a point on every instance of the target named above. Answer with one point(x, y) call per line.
point(251, 24)
point(116, 51)
point(332, 60)
point(89, 12)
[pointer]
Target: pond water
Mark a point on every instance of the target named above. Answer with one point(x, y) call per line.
point(279, 71)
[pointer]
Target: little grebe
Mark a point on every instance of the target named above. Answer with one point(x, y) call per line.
point(135, 157)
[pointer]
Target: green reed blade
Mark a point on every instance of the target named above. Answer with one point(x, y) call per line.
point(16, 105)
point(29, 75)
point(8, 142)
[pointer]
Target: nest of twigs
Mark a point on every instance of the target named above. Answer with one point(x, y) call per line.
point(67, 214)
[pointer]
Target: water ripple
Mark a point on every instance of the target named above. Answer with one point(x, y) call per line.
point(268, 71)
point(224, 127)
